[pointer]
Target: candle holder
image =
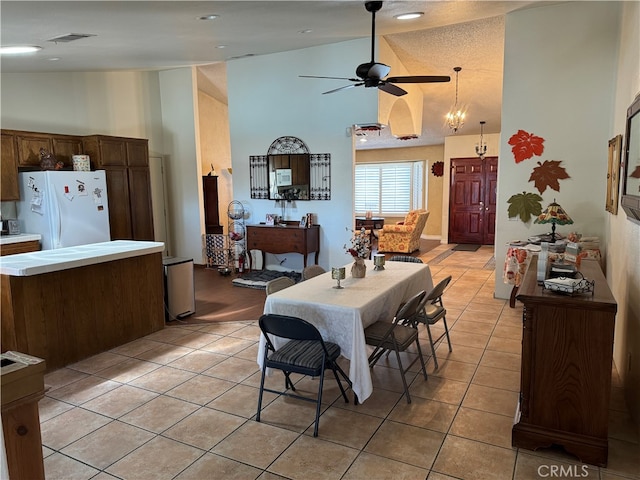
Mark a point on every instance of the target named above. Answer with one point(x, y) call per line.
point(378, 261)
point(338, 273)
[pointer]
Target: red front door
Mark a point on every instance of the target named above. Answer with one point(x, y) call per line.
point(472, 200)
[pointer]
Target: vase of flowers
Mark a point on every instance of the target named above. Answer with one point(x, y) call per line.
point(359, 250)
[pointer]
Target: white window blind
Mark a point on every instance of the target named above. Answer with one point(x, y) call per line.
point(388, 188)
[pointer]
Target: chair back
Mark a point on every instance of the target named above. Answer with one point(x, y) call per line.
point(284, 326)
point(405, 258)
point(435, 295)
point(410, 309)
point(278, 284)
point(312, 271)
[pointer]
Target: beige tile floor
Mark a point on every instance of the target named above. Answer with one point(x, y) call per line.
point(181, 403)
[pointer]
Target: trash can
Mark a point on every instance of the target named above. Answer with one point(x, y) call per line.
point(179, 294)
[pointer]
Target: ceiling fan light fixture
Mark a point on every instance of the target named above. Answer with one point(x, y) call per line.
point(481, 148)
point(408, 16)
point(455, 117)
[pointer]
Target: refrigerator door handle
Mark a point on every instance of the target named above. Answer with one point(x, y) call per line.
point(56, 220)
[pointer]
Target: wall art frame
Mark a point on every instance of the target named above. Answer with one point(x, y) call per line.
point(613, 174)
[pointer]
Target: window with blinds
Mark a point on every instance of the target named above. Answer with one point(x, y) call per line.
point(390, 189)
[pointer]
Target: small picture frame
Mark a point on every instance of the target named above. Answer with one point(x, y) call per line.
point(270, 219)
point(303, 222)
point(14, 227)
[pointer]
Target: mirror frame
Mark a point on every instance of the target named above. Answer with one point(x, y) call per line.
point(630, 202)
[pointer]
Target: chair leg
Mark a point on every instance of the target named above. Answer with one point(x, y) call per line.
point(446, 331)
point(319, 404)
point(335, 367)
point(404, 380)
point(424, 367)
point(433, 349)
point(287, 382)
point(260, 394)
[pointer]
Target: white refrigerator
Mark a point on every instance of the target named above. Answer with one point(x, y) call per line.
point(66, 208)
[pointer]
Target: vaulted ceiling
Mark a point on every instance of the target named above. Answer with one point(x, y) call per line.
point(154, 35)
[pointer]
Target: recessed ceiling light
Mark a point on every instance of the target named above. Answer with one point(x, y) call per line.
point(19, 49)
point(408, 16)
point(211, 16)
point(221, 46)
point(308, 30)
point(53, 59)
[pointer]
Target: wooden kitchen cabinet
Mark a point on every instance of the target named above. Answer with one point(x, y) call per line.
point(9, 164)
point(63, 147)
point(567, 352)
point(126, 162)
point(210, 195)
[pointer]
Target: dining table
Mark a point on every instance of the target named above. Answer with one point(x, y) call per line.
point(342, 314)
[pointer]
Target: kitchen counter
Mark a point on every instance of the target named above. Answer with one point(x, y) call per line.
point(46, 261)
point(21, 237)
point(68, 304)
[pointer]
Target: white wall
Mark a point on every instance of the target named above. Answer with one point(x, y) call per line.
point(182, 162)
point(623, 236)
point(114, 103)
point(559, 79)
point(268, 100)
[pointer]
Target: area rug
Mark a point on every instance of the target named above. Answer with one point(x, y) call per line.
point(259, 278)
point(465, 248)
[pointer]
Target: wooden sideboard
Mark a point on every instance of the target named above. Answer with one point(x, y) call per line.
point(567, 351)
point(284, 239)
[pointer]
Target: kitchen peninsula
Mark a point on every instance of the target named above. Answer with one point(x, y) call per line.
point(68, 304)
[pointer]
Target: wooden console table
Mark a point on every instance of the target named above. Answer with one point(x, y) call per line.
point(565, 382)
point(284, 239)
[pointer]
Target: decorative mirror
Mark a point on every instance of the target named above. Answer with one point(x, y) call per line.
point(288, 176)
point(631, 181)
point(289, 172)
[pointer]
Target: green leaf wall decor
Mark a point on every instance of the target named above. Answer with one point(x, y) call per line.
point(525, 205)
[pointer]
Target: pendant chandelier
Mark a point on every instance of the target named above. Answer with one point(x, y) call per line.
point(455, 117)
point(481, 148)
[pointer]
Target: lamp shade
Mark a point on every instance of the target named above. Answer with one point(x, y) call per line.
point(554, 213)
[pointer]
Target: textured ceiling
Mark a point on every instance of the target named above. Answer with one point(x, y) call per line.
point(152, 35)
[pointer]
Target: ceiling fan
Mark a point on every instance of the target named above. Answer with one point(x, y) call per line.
point(371, 74)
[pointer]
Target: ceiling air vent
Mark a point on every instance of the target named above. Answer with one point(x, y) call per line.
point(70, 37)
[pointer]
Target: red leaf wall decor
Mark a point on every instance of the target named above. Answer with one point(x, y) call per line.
point(525, 145)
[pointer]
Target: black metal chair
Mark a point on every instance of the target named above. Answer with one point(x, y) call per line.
point(305, 353)
point(405, 258)
point(431, 311)
point(397, 336)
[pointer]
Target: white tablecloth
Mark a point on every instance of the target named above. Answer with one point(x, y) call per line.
point(342, 315)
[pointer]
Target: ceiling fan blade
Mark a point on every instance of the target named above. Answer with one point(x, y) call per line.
point(419, 79)
point(331, 78)
point(392, 89)
point(343, 88)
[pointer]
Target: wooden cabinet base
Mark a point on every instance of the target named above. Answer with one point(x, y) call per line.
point(68, 315)
point(588, 449)
point(565, 374)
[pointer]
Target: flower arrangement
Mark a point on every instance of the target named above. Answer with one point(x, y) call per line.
point(360, 244)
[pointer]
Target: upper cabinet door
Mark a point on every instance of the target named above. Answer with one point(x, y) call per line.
point(65, 147)
point(9, 169)
point(137, 153)
point(29, 145)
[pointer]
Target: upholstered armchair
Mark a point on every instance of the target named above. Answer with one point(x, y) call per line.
point(403, 237)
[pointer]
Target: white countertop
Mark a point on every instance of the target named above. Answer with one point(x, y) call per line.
point(22, 237)
point(46, 261)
